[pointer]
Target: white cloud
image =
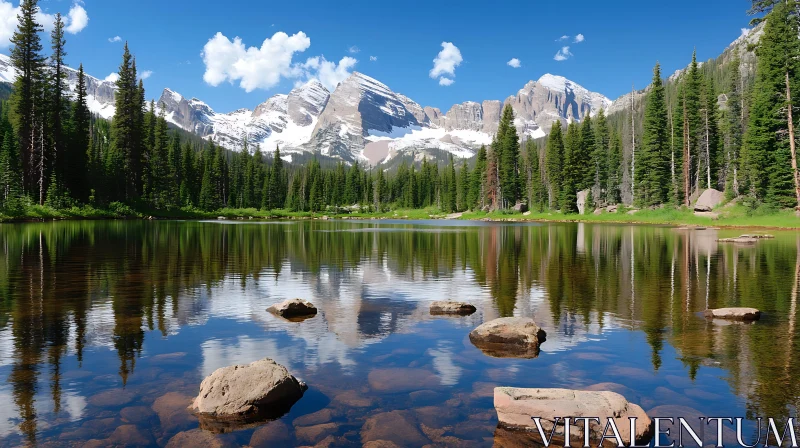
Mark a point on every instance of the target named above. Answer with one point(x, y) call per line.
point(77, 19)
point(579, 38)
point(113, 77)
point(8, 22)
point(115, 39)
point(254, 68)
point(146, 74)
point(563, 54)
point(514, 62)
point(353, 49)
point(264, 67)
point(745, 31)
point(445, 63)
point(329, 73)
point(373, 58)
point(564, 37)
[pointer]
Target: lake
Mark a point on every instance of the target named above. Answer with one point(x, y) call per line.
point(107, 328)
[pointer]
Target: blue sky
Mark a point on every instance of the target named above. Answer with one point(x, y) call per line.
point(622, 41)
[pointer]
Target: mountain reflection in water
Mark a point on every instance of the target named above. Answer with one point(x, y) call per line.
point(107, 328)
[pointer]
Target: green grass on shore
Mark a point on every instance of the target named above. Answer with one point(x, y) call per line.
point(730, 216)
point(733, 216)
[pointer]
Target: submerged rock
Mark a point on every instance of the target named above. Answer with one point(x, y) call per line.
point(195, 437)
point(398, 427)
point(294, 308)
point(758, 236)
point(237, 395)
point(735, 313)
point(509, 337)
point(460, 308)
point(745, 239)
point(516, 406)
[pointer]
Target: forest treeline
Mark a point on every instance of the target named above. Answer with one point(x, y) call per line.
point(55, 152)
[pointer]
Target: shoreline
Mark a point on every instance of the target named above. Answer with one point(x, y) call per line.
point(673, 218)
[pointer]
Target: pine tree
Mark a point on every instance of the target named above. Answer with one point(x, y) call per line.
point(159, 168)
point(77, 162)
point(600, 153)
point(452, 193)
point(508, 158)
point(492, 182)
point(614, 185)
point(57, 107)
point(554, 165)
point(768, 152)
point(127, 126)
point(710, 136)
point(9, 173)
point(380, 190)
point(571, 170)
point(276, 193)
point(27, 97)
point(410, 193)
point(583, 160)
point(477, 191)
point(537, 194)
point(352, 186)
point(693, 127)
point(652, 168)
point(734, 128)
point(463, 187)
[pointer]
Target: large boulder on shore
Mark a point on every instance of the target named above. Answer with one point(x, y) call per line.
point(294, 308)
point(708, 200)
point(456, 308)
point(261, 390)
point(516, 406)
point(734, 313)
point(509, 337)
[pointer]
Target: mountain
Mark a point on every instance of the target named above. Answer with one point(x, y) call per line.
point(285, 120)
point(363, 119)
point(99, 93)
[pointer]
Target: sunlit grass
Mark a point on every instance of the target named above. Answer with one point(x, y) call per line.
point(731, 216)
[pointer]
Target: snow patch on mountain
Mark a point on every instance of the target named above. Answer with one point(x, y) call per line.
point(99, 93)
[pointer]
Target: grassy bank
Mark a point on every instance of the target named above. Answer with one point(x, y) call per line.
point(735, 216)
point(732, 216)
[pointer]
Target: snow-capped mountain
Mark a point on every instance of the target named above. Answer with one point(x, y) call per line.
point(363, 119)
point(7, 72)
point(99, 93)
point(284, 120)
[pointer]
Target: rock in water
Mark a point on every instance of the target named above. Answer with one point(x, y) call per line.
point(745, 239)
point(516, 406)
point(262, 390)
point(460, 308)
point(737, 313)
point(293, 308)
point(509, 337)
point(708, 200)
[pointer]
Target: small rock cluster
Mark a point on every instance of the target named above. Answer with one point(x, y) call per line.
point(746, 239)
